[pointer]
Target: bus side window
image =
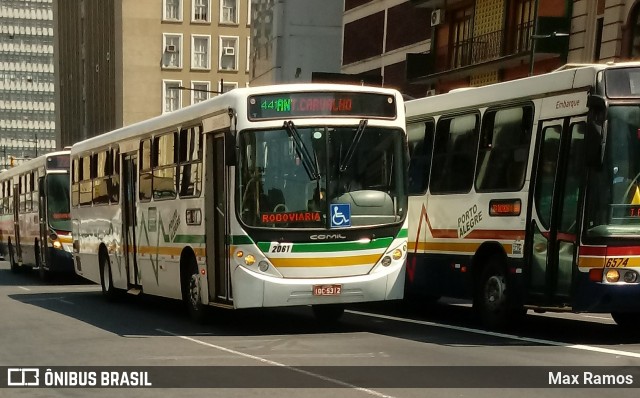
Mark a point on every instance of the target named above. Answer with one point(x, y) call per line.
point(420, 149)
point(503, 152)
point(144, 187)
point(454, 153)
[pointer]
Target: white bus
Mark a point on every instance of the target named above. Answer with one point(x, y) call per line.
point(525, 194)
point(260, 197)
point(35, 219)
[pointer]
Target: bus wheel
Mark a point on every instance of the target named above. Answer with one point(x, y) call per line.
point(627, 320)
point(328, 313)
point(492, 297)
point(12, 259)
point(193, 296)
point(106, 278)
point(42, 272)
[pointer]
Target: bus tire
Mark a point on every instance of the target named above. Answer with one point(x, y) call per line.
point(491, 299)
point(192, 295)
point(12, 259)
point(106, 278)
point(328, 313)
point(627, 320)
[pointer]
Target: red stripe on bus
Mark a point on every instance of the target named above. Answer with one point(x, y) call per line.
point(605, 251)
point(475, 234)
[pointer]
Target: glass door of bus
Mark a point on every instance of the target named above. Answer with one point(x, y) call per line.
point(129, 188)
point(219, 278)
point(41, 256)
point(555, 214)
point(16, 224)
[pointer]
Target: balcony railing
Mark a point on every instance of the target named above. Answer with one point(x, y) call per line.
point(473, 51)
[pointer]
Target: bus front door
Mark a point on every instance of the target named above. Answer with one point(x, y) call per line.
point(219, 278)
point(16, 224)
point(555, 215)
point(129, 189)
point(41, 256)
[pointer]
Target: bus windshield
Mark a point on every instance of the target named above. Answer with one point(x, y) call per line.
point(58, 202)
point(290, 177)
point(613, 201)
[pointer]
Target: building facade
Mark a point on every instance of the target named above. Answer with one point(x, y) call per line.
point(123, 61)
point(27, 110)
point(293, 39)
point(377, 35)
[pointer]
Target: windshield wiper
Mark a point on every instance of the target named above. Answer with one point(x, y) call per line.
point(302, 151)
point(352, 148)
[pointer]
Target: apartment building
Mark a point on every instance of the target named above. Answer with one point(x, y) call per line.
point(123, 61)
point(27, 111)
point(377, 35)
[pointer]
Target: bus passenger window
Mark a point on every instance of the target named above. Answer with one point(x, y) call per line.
point(503, 152)
point(454, 154)
point(420, 148)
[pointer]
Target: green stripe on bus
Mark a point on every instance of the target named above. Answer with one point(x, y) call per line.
point(404, 233)
point(322, 247)
point(188, 239)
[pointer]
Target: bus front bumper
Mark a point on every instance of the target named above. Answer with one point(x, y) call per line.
point(255, 290)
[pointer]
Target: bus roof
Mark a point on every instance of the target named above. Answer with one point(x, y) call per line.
point(31, 164)
point(235, 98)
point(564, 79)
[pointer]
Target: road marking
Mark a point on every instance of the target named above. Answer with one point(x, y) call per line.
point(274, 363)
point(501, 335)
point(24, 288)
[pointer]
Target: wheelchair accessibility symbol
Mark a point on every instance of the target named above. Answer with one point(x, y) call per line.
point(340, 215)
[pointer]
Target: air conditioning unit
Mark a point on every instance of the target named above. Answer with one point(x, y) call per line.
point(437, 17)
point(228, 51)
point(171, 48)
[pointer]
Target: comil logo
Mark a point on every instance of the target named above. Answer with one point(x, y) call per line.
point(23, 377)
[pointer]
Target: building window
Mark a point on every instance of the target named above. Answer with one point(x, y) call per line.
point(225, 87)
point(521, 17)
point(172, 10)
point(228, 53)
point(172, 49)
point(248, 53)
point(634, 51)
point(172, 95)
point(201, 10)
point(461, 37)
point(201, 47)
point(199, 91)
point(229, 11)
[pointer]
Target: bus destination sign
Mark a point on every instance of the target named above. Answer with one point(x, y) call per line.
point(321, 104)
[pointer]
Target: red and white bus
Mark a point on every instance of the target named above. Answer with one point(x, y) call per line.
point(525, 194)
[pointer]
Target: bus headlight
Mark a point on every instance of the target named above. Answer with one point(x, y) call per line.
point(386, 261)
point(630, 276)
point(612, 276)
point(396, 254)
point(57, 244)
point(263, 266)
point(249, 259)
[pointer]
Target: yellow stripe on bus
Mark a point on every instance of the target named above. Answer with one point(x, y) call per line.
point(325, 261)
point(168, 251)
point(608, 262)
point(457, 247)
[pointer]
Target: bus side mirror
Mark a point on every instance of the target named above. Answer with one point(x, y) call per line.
point(596, 130)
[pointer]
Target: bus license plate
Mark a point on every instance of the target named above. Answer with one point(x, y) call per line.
point(327, 290)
